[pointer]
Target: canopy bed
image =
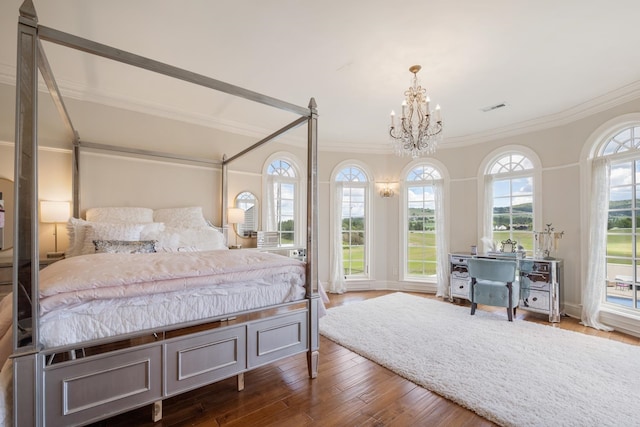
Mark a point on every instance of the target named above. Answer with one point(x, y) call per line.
point(83, 377)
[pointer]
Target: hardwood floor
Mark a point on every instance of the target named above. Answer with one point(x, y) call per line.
point(349, 391)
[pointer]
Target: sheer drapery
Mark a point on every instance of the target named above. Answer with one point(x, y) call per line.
point(271, 220)
point(593, 286)
point(487, 229)
point(442, 243)
point(337, 283)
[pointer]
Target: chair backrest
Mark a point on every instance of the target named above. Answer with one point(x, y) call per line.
point(497, 270)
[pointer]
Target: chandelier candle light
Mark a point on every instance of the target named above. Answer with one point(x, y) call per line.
point(420, 129)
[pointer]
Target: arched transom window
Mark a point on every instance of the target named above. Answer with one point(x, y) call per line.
point(511, 195)
point(352, 185)
point(282, 211)
point(420, 237)
point(622, 153)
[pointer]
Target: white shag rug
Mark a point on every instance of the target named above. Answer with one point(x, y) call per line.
point(512, 373)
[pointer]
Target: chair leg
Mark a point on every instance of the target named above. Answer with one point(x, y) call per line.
point(510, 309)
point(473, 304)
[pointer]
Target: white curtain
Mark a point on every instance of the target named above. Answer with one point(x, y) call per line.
point(270, 224)
point(487, 221)
point(442, 243)
point(337, 283)
point(594, 285)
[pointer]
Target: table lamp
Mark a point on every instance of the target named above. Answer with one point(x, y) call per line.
point(54, 213)
point(235, 216)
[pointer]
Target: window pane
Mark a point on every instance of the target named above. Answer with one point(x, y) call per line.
point(502, 188)
point(620, 221)
point(619, 245)
point(620, 197)
point(286, 238)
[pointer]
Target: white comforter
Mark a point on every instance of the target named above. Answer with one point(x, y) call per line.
point(81, 279)
point(102, 295)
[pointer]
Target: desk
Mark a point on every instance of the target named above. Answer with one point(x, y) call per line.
point(540, 282)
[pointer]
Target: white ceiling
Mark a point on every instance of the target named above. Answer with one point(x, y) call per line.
point(550, 61)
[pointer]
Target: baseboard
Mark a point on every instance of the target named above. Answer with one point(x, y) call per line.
point(379, 285)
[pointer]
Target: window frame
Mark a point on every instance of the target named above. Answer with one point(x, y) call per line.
point(631, 156)
point(368, 272)
point(403, 224)
point(486, 213)
point(299, 196)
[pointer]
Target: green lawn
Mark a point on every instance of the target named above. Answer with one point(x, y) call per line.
point(422, 251)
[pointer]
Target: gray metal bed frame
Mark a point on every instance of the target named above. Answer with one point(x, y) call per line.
point(135, 370)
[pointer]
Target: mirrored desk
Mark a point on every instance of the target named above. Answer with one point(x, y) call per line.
point(540, 282)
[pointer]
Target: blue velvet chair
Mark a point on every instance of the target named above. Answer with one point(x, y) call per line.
point(493, 282)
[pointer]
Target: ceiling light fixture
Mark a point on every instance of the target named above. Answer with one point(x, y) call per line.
point(420, 128)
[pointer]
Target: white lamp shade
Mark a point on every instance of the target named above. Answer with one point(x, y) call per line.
point(54, 212)
point(235, 216)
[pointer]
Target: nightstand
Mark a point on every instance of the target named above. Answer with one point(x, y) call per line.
point(6, 268)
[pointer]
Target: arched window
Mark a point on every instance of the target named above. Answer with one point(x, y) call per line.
point(509, 200)
point(350, 237)
point(352, 188)
point(282, 199)
point(618, 157)
point(421, 213)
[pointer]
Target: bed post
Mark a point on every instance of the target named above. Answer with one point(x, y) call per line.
point(312, 239)
point(225, 196)
point(27, 389)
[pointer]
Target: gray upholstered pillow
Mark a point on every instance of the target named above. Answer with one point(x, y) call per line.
point(125, 246)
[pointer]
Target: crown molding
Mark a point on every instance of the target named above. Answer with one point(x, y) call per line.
point(82, 93)
point(593, 106)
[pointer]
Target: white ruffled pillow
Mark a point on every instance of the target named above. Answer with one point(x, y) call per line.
point(109, 231)
point(174, 239)
point(190, 217)
point(127, 215)
point(76, 232)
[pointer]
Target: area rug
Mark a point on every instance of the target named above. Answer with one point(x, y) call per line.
point(512, 373)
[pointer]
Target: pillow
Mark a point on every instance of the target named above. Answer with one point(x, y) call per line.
point(120, 215)
point(181, 217)
point(151, 229)
point(174, 239)
point(109, 231)
point(124, 246)
point(76, 233)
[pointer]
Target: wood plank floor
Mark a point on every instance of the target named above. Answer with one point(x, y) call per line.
point(349, 391)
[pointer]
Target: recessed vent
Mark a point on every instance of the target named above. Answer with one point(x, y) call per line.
point(493, 107)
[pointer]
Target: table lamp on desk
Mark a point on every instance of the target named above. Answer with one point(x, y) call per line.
point(54, 213)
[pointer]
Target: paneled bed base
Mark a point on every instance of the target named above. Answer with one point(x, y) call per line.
point(101, 385)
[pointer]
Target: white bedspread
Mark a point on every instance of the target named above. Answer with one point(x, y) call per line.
point(81, 279)
point(104, 295)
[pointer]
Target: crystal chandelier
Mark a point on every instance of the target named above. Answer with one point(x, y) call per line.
point(420, 128)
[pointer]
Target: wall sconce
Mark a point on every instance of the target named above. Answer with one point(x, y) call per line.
point(386, 191)
point(54, 213)
point(235, 216)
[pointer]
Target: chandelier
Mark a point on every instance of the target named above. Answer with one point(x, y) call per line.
point(420, 129)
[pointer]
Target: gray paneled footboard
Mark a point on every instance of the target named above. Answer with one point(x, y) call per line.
point(96, 387)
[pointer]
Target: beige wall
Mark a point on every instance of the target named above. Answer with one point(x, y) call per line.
point(559, 150)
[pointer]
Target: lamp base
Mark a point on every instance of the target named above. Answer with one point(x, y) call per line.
point(55, 255)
